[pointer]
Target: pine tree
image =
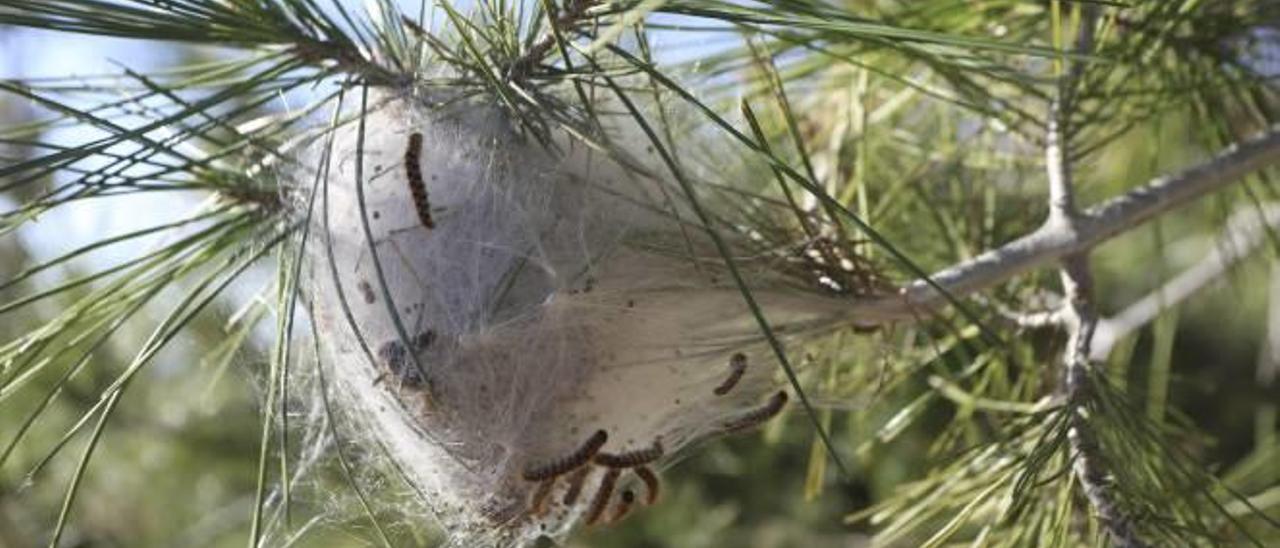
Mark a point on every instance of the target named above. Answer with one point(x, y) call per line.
point(516, 258)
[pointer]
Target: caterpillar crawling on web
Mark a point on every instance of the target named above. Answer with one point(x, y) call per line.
point(417, 187)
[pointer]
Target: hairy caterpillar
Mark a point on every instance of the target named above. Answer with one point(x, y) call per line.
point(631, 459)
point(737, 367)
point(759, 415)
point(651, 484)
point(417, 187)
point(575, 485)
point(601, 500)
point(574, 460)
point(626, 499)
point(538, 504)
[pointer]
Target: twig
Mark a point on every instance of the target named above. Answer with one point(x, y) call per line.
point(1088, 462)
point(1093, 226)
point(1046, 312)
point(1078, 312)
point(1089, 466)
point(1245, 231)
point(1039, 319)
point(574, 12)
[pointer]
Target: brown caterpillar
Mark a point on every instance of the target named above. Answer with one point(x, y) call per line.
point(759, 415)
point(625, 501)
point(631, 459)
point(575, 485)
point(574, 460)
point(651, 484)
point(602, 495)
point(417, 187)
point(737, 367)
point(538, 503)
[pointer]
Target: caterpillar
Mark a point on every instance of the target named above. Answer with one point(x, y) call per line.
point(602, 495)
point(417, 187)
point(737, 367)
point(758, 415)
point(651, 484)
point(626, 499)
point(538, 504)
point(574, 460)
point(631, 459)
point(575, 485)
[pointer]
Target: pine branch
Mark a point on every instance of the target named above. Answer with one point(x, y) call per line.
point(1245, 231)
point(1093, 226)
point(1079, 313)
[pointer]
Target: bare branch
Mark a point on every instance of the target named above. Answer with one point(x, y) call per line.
point(1095, 225)
point(1079, 314)
point(1088, 462)
point(1245, 231)
point(1062, 209)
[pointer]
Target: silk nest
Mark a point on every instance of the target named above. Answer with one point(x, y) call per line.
point(485, 327)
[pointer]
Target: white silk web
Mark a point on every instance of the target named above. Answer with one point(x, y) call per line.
point(555, 295)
